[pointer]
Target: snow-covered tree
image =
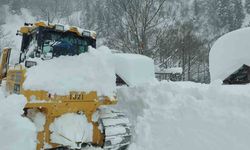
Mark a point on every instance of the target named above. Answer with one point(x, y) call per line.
point(247, 6)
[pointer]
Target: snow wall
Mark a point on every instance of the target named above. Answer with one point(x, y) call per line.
point(229, 53)
point(188, 116)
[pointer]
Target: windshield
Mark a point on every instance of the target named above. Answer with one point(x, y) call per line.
point(63, 44)
point(48, 43)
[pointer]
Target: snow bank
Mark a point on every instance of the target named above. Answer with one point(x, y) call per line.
point(91, 71)
point(186, 116)
point(71, 129)
point(16, 132)
point(229, 53)
point(87, 72)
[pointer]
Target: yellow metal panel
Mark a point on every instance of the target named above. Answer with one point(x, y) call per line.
point(40, 24)
point(25, 30)
point(74, 30)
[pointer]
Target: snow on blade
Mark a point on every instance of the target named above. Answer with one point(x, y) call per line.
point(188, 116)
point(71, 129)
point(229, 53)
point(16, 132)
point(87, 72)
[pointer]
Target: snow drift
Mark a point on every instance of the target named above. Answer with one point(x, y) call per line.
point(229, 53)
point(188, 116)
point(92, 71)
point(17, 132)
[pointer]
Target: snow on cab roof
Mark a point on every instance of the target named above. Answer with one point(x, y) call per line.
point(229, 53)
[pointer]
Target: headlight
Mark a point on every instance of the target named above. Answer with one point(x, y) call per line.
point(59, 27)
point(85, 33)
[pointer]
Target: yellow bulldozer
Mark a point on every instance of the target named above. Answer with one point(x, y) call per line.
point(41, 37)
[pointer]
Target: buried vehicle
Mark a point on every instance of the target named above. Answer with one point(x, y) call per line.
point(66, 120)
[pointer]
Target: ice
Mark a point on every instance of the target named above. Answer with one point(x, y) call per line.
point(229, 53)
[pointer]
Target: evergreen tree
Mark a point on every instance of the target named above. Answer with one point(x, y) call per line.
point(247, 6)
point(237, 15)
point(226, 15)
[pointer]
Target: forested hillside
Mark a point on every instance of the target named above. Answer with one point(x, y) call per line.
point(175, 33)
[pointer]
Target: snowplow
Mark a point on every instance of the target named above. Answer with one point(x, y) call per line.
point(105, 127)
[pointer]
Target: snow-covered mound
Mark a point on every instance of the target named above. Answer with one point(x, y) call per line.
point(229, 53)
point(16, 132)
point(92, 71)
point(188, 116)
point(134, 69)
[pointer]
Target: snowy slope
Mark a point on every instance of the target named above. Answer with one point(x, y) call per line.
point(188, 116)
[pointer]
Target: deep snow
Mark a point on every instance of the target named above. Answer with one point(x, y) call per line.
point(92, 71)
point(165, 115)
point(188, 116)
point(16, 132)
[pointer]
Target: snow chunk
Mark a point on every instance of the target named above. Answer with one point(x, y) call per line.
point(70, 129)
point(37, 118)
point(229, 53)
point(91, 71)
point(134, 69)
point(17, 132)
